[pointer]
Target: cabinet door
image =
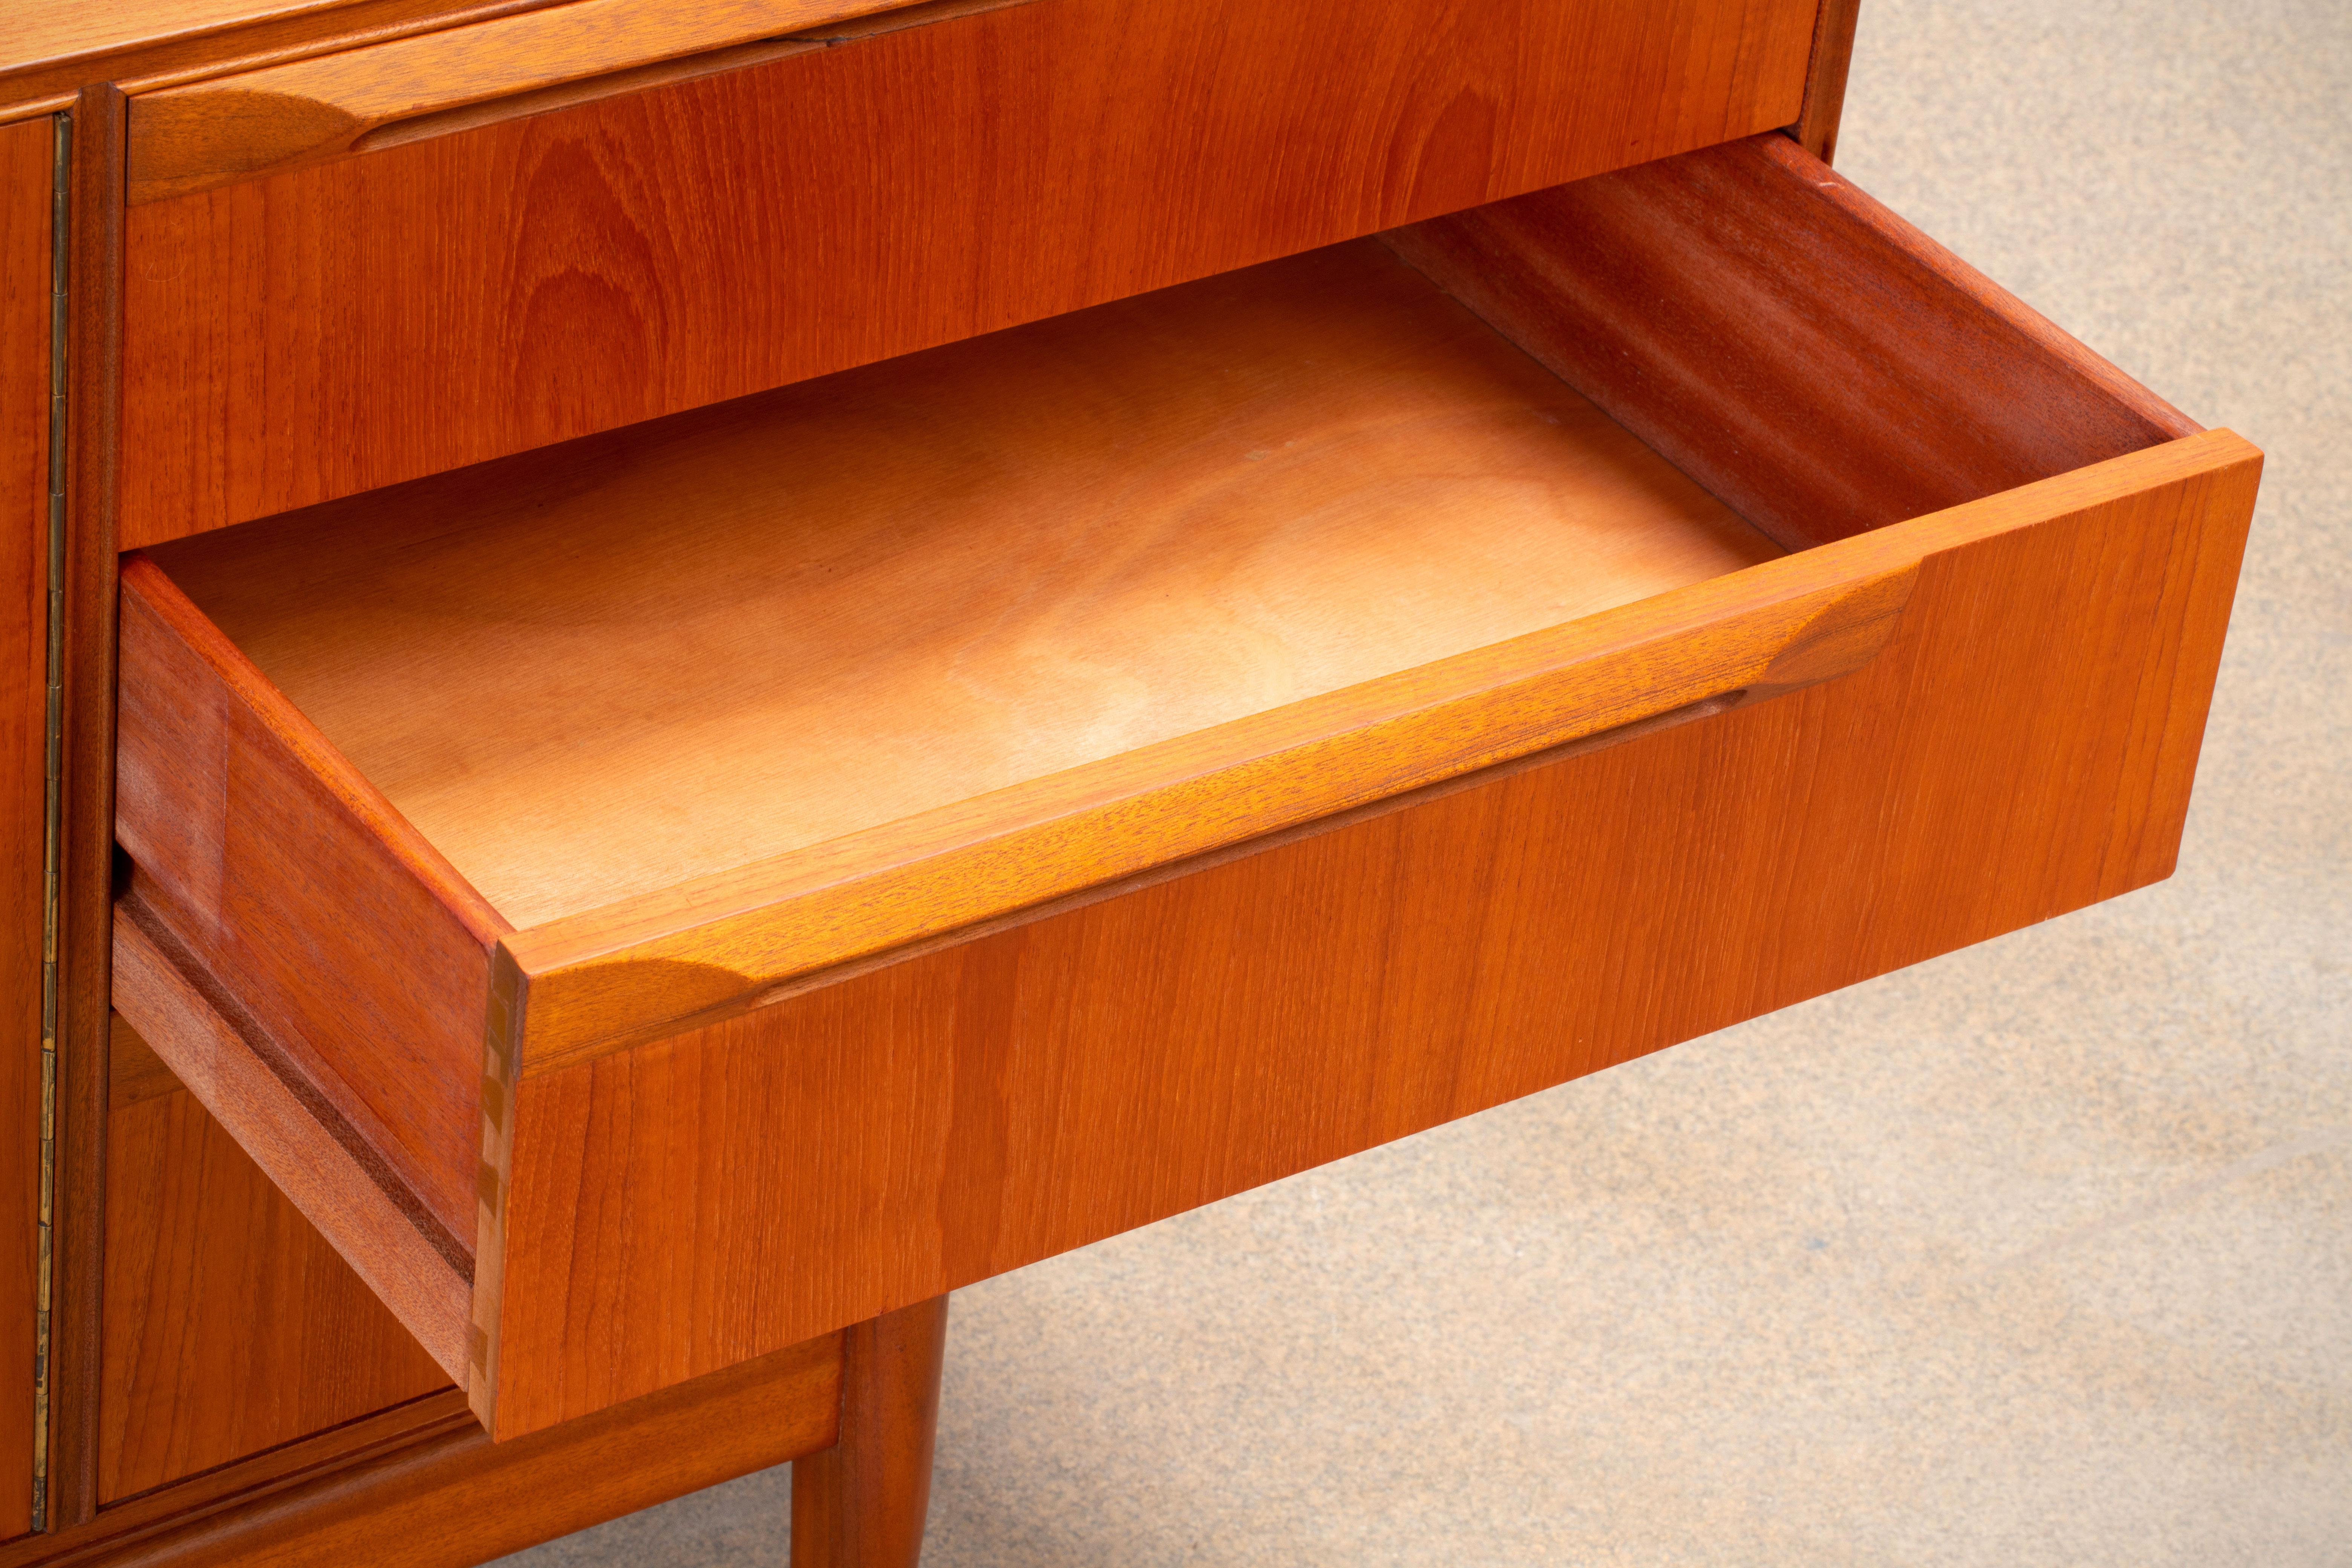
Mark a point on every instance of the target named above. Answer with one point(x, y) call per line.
point(230, 1324)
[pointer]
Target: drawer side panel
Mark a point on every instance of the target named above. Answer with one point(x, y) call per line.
point(2023, 746)
point(1810, 358)
point(365, 960)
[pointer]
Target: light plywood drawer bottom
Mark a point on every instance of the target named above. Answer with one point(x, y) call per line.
point(656, 899)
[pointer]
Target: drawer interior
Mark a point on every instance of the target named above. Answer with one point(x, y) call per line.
point(594, 671)
point(605, 669)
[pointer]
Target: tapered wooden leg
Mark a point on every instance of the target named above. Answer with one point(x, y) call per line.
point(861, 1503)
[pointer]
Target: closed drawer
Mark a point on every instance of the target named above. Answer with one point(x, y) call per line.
point(660, 898)
point(352, 271)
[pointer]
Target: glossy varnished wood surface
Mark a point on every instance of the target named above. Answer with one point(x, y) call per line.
point(632, 971)
point(574, 1306)
point(1816, 130)
point(1333, 519)
point(225, 1060)
point(86, 859)
point(154, 45)
point(309, 1498)
point(1903, 380)
point(27, 159)
point(619, 259)
point(46, 30)
point(260, 849)
point(234, 127)
point(231, 1326)
point(1315, 527)
point(420, 1486)
point(61, 45)
point(594, 674)
point(2024, 745)
point(289, 1466)
point(862, 1502)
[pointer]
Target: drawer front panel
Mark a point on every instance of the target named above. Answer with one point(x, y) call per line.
point(334, 328)
point(2023, 746)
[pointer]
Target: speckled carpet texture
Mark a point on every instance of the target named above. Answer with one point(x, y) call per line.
point(2039, 1254)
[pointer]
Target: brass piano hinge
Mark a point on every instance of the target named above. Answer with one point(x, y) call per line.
point(52, 819)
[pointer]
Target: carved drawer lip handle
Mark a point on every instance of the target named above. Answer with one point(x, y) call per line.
point(605, 979)
point(206, 135)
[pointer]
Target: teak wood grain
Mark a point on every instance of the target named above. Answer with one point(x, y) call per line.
point(245, 878)
point(290, 1130)
point(2023, 745)
point(1786, 277)
point(232, 128)
point(600, 981)
point(280, 863)
point(808, 1120)
point(1003, 1005)
point(735, 993)
point(304, 1495)
point(162, 43)
point(862, 1502)
point(1915, 329)
point(1170, 508)
point(26, 161)
point(454, 1498)
point(58, 46)
point(125, 1524)
point(85, 793)
point(1816, 130)
point(231, 1325)
point(905, 587)
point(295, 338)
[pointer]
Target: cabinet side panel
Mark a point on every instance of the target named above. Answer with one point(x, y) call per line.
point(27, 170)
point(230, 1324)
point(341, 327)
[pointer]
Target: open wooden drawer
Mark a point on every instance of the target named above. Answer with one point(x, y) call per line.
point(656, 900)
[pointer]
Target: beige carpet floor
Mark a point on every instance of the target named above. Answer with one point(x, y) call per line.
point(2040, 1253)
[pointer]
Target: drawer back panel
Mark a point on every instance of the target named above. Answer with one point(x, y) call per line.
point(338, 327)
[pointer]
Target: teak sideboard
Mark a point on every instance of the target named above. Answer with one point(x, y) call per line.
point(679, 673)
